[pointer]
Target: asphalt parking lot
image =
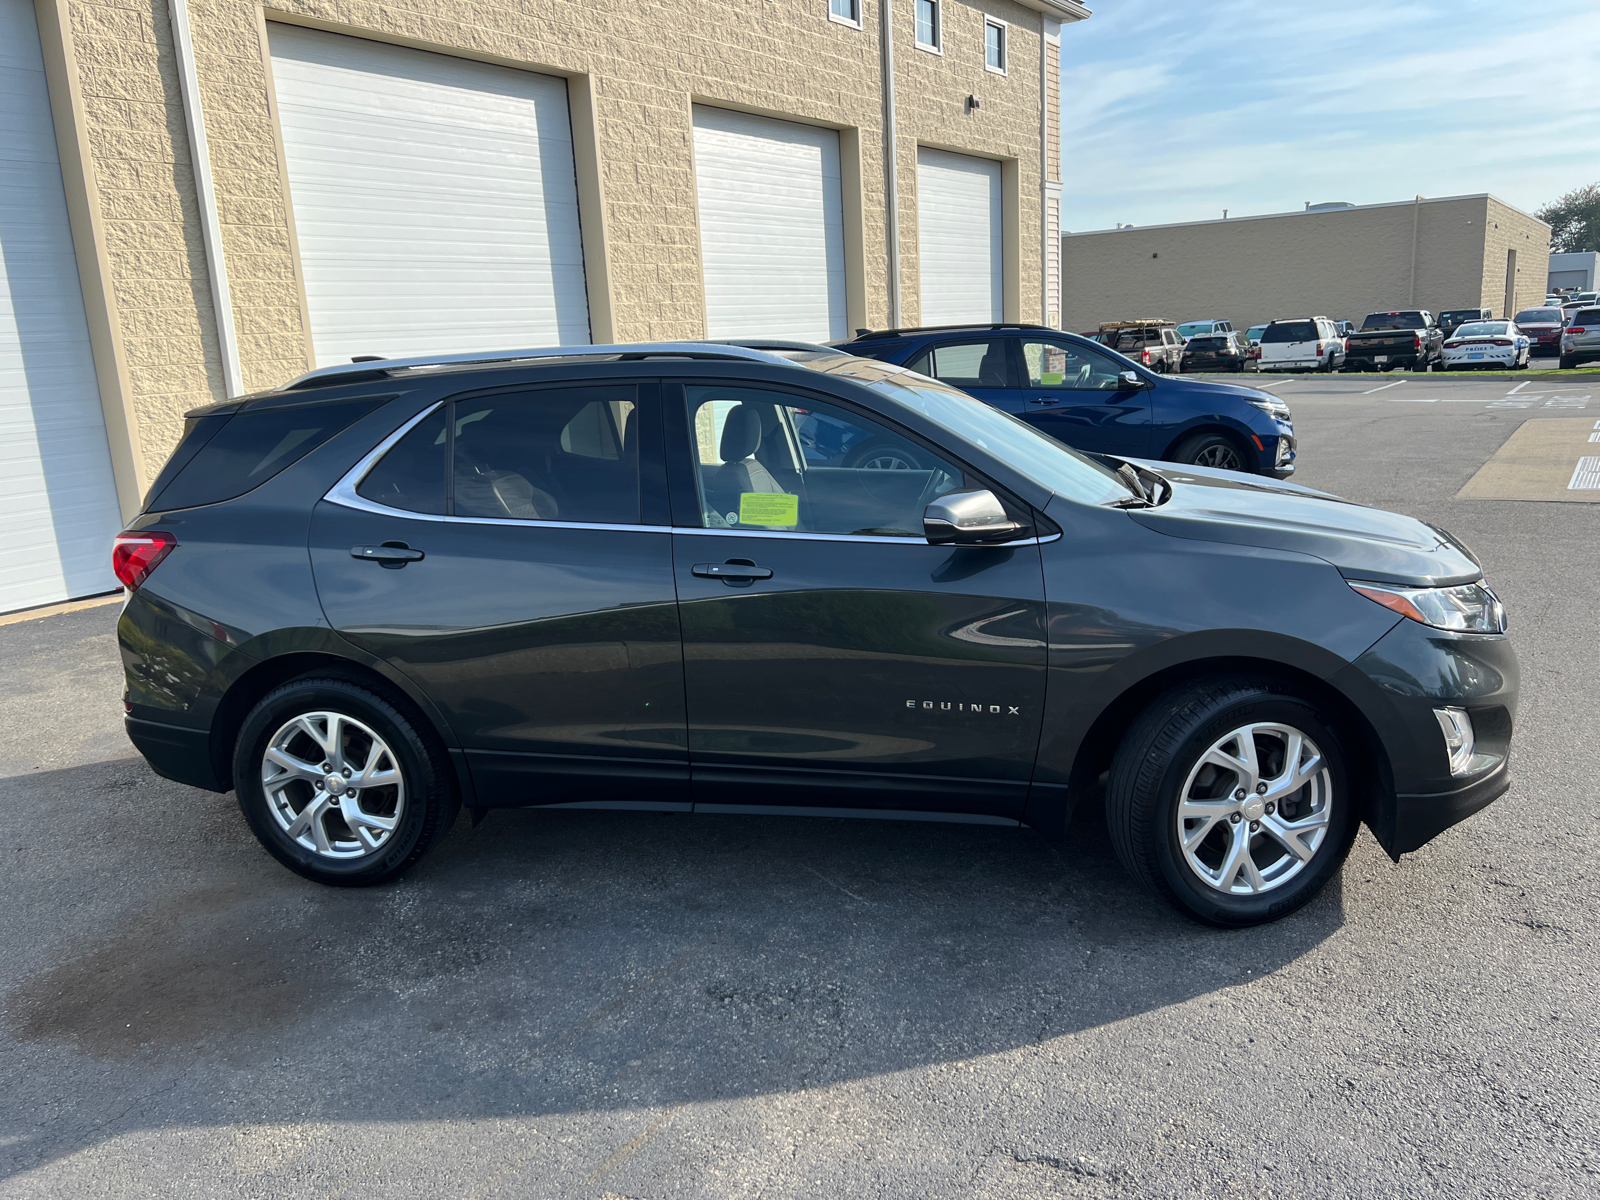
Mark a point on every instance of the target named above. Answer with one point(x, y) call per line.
point(647, 1006)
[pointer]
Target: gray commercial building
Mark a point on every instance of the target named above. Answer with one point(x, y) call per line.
point(1342, 261)
point(1575, 270)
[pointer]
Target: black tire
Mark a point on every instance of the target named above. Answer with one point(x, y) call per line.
point(1568, 361)
point(427, 799)
point(886, 456)
point(1152, 765)
point(1211, 450)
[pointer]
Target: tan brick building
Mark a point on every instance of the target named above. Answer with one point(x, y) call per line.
point(1339, 262)
point(222, 194)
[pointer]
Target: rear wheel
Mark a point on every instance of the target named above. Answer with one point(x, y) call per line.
point(339, 785)
point(885, 456)
point(1568, 361)
point(1231, 799)
point(1210, 450)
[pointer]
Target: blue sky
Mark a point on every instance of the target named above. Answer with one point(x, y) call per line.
point(1175, 111)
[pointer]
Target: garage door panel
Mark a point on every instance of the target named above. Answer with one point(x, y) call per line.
point(959, 238)
point(771, 204)
point(57, 494)
point(435, 199)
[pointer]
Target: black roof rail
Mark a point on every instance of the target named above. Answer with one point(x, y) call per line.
point(862, 335)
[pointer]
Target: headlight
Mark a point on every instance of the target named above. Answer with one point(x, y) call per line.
point(1469, 608)
point(1272, 406)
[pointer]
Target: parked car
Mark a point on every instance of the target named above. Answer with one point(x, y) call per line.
point(1404, 338)
point(1496, 344)
point(1544, 326)
point(1190, 329)
point(1301, 344)
point(1451, 318)
point(605, 579)
point(1345, 328)
point(1097, 400)
point(1581, 341)
point(1154, 344)
point(1216, 352)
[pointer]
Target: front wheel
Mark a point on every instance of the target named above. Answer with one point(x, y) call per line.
point(1231, 799)
point(1210, 450)
point(339, 785)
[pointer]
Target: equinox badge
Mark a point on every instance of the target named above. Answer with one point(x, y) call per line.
point(1010, 710)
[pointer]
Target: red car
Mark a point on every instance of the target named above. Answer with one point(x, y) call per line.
point(1544, 326)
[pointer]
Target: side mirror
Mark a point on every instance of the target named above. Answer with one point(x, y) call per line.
point(967, 518)
point(1130, 381)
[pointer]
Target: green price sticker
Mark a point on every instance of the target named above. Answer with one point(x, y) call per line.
point(1050, 379)
point(769, 508)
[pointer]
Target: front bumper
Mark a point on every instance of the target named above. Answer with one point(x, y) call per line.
point(1398, 683)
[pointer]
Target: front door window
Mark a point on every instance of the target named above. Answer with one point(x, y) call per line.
point(772, 461)
point(1075, 393)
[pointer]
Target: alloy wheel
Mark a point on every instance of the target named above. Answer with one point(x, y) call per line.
point(333, 785)
point(1255, 809)
point(1220, 455)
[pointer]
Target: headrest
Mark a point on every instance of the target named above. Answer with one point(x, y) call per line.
point(741, 433)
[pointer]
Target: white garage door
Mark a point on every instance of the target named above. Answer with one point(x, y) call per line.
point(434, 199)
point(959, 238)
point(58, 501)
point(771, 227)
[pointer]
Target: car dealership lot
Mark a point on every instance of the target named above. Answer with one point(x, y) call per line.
point(565, 1004)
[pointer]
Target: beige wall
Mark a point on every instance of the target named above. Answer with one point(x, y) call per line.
point(1340, 264)
point(635, 70)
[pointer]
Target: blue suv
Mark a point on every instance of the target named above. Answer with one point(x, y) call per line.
point(1093, 398)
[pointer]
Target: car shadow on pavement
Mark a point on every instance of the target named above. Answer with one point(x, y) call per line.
point(162, 970)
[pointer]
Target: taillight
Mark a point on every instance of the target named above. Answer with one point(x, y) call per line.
point(1578, 329)
point(1416, 341)
point(1451, 345)
point(1145, 357)
point(1501, 342)
point(1319, 349)
point(135, 555)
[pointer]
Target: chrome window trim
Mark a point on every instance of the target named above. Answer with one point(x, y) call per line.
point(344, 494)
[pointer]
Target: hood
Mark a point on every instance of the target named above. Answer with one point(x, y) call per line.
point(1206, 387)
point(1362, 542)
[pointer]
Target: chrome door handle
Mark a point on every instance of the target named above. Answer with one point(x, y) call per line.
point(391, 554)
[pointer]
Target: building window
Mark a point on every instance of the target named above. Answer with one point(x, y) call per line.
point(994, 45)
point(929, 35)
point(846, 12)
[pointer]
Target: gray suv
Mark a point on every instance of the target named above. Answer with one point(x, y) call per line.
point(1580, 343)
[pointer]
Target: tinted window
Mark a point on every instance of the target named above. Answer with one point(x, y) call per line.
point(1482, 329)
point(1396, 320)
point(1289, 331)
point(978, 364)
point(1207, 343)
point(1587, 316)
point(1538, 316)
point(1070, 365)
point(253, 446)
point(562, 455)
point(412, 474)
point(770, 460)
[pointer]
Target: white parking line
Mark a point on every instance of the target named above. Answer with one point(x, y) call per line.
point(1274, 383)
point(1396, 383)
point(1519, 387)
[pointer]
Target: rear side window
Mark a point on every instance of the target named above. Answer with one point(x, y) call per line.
point(1289, 331)
point(249, 448)
point(977, 364)
point(561, 455)
point(568, 454)
point(1587, 316)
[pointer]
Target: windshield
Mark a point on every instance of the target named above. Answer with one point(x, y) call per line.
point(1482, 329)
point(1395, 320)
point(1189, 329)
point(1466, 314)
point(1020, 446)
point(1539, 316)
point(1255, 332)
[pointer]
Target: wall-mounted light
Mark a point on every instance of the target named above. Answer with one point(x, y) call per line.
point(973, 103)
